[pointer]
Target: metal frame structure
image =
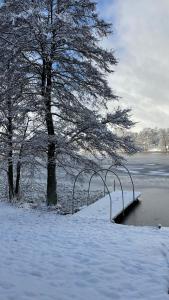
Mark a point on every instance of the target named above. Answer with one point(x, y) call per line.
point(97, 173)
point(121, 187)
point(105, 185)
point(131, 178)
point(129, 173)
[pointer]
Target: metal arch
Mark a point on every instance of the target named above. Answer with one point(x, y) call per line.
point(94, 173)
point(131, 178)
point(129, 173)
point(74, 185)
point(76, 178)
point(105, 185)
point(121, 186)
point(107, 171)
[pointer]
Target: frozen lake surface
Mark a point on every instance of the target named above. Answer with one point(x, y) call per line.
point(150, 164)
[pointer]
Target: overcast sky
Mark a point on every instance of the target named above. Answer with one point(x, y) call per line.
point(141, 41)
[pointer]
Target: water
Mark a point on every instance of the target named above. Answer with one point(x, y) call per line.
point(151, 176)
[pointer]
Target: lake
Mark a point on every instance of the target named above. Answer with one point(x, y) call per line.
point(151, 176)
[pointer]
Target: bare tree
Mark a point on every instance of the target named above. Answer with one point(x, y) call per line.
point(164, 139)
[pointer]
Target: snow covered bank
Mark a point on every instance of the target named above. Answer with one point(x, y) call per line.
point(45, 256)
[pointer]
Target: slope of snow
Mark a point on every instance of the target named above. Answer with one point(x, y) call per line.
point(101, 208)
point(44, 256)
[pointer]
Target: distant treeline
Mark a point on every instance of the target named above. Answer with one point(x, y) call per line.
point(152, 139)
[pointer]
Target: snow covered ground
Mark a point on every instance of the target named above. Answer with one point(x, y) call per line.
point(45, 256)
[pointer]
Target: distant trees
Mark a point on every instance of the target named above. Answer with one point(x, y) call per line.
point(152, 139)
point(55, 74)
point(164, 139)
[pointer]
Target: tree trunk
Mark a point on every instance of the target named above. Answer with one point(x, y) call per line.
point(19, 165)
point(18, 176)
point(51, 176)
point(10, 154)
point(10, 177)
point(51, 165)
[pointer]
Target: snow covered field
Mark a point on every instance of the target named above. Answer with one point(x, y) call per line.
point(45, 256)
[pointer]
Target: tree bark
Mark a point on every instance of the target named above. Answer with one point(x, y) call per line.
point(19, 165)
point(51, 164)
point(10, 176)
point(18, 176)
point(10, 153)
point(51, 176)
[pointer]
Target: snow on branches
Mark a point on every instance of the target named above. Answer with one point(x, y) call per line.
point(59, 80)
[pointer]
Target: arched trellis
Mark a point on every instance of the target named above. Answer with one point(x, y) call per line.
point(121, 187)
point(131, 178)
point(105, 186)
point(129, 173)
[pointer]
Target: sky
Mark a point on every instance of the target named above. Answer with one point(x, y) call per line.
point(141, 44)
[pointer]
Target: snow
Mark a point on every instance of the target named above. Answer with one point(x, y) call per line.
point(45, 256)
point(131, 171)
point(101, 208)
point(154, 150)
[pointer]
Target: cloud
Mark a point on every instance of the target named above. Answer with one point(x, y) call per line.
point(141, 41)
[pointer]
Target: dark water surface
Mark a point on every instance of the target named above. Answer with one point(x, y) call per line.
point(152, 210)
point(151, 176)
